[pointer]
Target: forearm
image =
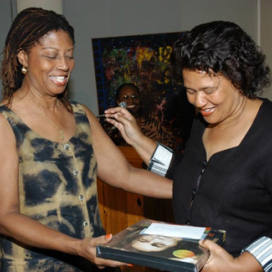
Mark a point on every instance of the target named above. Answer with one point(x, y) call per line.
point(32, 233)
point(148, 184)
point(246, 262)
point(261, 250)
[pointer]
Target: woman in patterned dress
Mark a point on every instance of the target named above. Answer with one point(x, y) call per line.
point(51, 151)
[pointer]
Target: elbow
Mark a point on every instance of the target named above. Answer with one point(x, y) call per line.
point(7, 221)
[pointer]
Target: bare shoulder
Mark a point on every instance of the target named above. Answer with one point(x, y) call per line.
point(7, 137)
point(8, 150)
point(89, 113)
point(101, 142)
point(4, 124)
point(93, 120)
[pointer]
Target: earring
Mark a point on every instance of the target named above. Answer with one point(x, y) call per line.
point(24, 70)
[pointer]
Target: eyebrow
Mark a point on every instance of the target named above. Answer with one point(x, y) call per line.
point(49, 47)
point(201, 89)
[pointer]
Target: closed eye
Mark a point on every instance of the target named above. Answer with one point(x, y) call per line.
point(207, 90)
point(50, 57)
point(158, 245)
point(190, 91)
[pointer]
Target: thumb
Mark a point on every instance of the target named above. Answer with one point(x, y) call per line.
point(101, 240)
point(209, 244)
point(215, 249)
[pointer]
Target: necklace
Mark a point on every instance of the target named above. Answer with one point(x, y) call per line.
point(61, 132)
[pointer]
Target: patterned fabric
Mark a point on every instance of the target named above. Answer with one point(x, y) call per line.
point(57, 186)
point(152, 127)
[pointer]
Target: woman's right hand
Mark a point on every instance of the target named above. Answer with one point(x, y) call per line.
point(125, 122)
point(221, 261)
point(131, 133)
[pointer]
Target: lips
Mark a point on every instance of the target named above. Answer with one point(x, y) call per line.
point(207, 112)
point(131, 106)
point(59, 80)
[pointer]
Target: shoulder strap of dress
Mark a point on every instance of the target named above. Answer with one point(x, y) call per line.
point(77, 108)
point(9, 114)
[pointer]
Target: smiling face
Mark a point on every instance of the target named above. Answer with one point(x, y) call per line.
point(154, 243)
point(49, 63)
point(131, 96)
point(213, 95)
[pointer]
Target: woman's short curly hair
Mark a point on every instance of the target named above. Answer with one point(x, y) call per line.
point(223, 47)
point(29, 26)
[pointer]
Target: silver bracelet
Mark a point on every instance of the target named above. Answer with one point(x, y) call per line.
point(160, 160)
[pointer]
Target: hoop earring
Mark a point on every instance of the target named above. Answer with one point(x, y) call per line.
point(24, 70)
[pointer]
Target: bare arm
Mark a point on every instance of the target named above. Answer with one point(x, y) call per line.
point(23, 228)
point(221, 261)
point(114, 169)
point(131, 133)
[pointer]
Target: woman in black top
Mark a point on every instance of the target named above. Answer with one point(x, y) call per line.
point(224, 179)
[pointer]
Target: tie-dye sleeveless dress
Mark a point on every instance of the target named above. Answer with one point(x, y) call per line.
point(57, 186)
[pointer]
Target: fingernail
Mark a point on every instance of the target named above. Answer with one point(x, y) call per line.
point(130, 265)
point(108, 236)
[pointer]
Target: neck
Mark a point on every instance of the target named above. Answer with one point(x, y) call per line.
point(46, 102)
point(50, 114)
point(239, 114)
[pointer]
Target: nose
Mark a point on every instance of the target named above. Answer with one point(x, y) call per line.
point(200, 99)
point(63, 64)
point(130, 99)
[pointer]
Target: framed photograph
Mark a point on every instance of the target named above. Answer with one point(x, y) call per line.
point(144, 61)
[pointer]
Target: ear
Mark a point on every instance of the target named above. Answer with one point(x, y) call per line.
point(23, 58)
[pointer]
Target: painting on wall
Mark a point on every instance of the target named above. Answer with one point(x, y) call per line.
point(143, 60)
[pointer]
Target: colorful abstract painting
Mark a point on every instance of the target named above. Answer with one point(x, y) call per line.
point(143, 60)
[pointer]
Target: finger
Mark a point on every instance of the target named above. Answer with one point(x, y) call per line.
point(119, 112)
point(119, 121)
point(105, 262)
point(115, 124)
point(116, 110)
point(112, 110)
point(111, 121)
point(125, 116)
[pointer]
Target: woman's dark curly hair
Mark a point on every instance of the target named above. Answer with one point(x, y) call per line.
point(29, 26)
point(223, 47)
